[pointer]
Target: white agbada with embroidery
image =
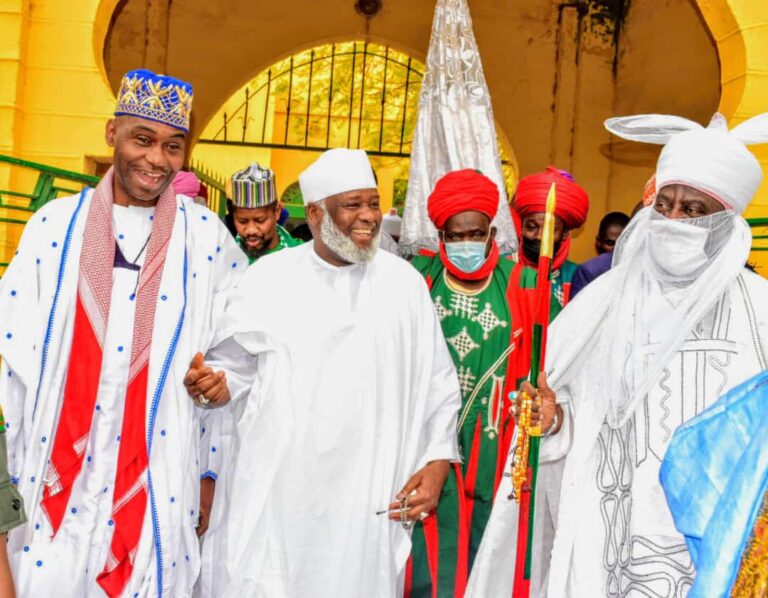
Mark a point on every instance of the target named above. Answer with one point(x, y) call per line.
point(676, 323)
point(201, 268)
point(356, 391)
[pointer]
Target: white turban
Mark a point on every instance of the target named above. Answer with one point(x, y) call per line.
point(713, 160)
point(336, 171)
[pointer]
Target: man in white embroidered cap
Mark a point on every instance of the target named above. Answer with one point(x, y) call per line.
point(348, 432)
point(109, 296)
point(676, 322)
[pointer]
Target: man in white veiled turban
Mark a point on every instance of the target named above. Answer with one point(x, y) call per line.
point(674, 324)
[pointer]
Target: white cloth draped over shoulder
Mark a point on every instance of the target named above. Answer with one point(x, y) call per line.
point(37, 300)
point(636, 354)
point(356, 391)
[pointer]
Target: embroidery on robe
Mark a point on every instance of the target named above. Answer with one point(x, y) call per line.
point(464, 306)
point(463, 343)
point(489, 321)
point(442, 311)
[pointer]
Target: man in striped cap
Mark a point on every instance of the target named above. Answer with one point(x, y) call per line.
point(256, 211)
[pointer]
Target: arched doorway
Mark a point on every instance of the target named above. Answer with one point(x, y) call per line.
point(356, 94)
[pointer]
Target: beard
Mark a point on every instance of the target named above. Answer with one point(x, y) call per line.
point(340, 243)
point(257, 253)
point(532, 249)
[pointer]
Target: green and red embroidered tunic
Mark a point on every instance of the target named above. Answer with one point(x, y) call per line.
point(488, 335)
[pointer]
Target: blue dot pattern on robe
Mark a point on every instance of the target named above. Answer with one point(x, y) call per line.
point(13, 293)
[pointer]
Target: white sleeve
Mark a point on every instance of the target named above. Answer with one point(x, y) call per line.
point(218, 426)
point(238, 364)
point(12, 395)
point(20, 306)
point(556, 446)
point(444, 401)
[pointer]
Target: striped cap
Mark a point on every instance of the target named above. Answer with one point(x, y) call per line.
point(253, 187)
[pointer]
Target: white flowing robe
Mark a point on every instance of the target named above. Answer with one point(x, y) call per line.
point(356, 391)
point(614, 534)
point(37, 299)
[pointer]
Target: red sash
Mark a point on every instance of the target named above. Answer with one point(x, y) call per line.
point(94, 292)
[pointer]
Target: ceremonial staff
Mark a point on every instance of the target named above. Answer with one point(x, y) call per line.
point(526, 460)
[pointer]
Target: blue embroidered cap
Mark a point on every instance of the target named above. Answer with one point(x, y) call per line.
point(155, 97)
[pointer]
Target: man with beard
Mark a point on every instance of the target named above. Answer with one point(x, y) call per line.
point(107, 299)
point(677, 321)
point(256, 211)
point(347, 435)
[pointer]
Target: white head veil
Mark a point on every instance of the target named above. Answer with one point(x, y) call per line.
point(628, 327)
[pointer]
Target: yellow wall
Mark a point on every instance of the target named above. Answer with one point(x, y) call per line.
point(54, 102)
point(740, 29)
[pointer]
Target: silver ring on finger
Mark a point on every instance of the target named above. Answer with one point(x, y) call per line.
point(202, 400)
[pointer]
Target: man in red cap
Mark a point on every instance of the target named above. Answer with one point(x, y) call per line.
point(571, 211)
point(472, 289)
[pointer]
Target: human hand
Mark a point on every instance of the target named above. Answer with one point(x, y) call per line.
point(422, 491)
point(544, 404)
point(207, 491)
point(206, 387)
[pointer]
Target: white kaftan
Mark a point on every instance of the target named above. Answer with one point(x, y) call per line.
point(37, 297)
point(356, 391)
point(614, 533)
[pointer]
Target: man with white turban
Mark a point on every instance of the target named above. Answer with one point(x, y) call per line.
point(674, 324)
point(347, 435)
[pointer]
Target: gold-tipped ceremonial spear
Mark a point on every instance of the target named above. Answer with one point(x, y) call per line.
point(526, 459)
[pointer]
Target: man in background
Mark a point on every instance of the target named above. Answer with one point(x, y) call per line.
point(256, 211)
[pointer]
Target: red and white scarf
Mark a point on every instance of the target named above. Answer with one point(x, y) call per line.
point(94, 293)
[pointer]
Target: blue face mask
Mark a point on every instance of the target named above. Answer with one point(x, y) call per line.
point(467, 256)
